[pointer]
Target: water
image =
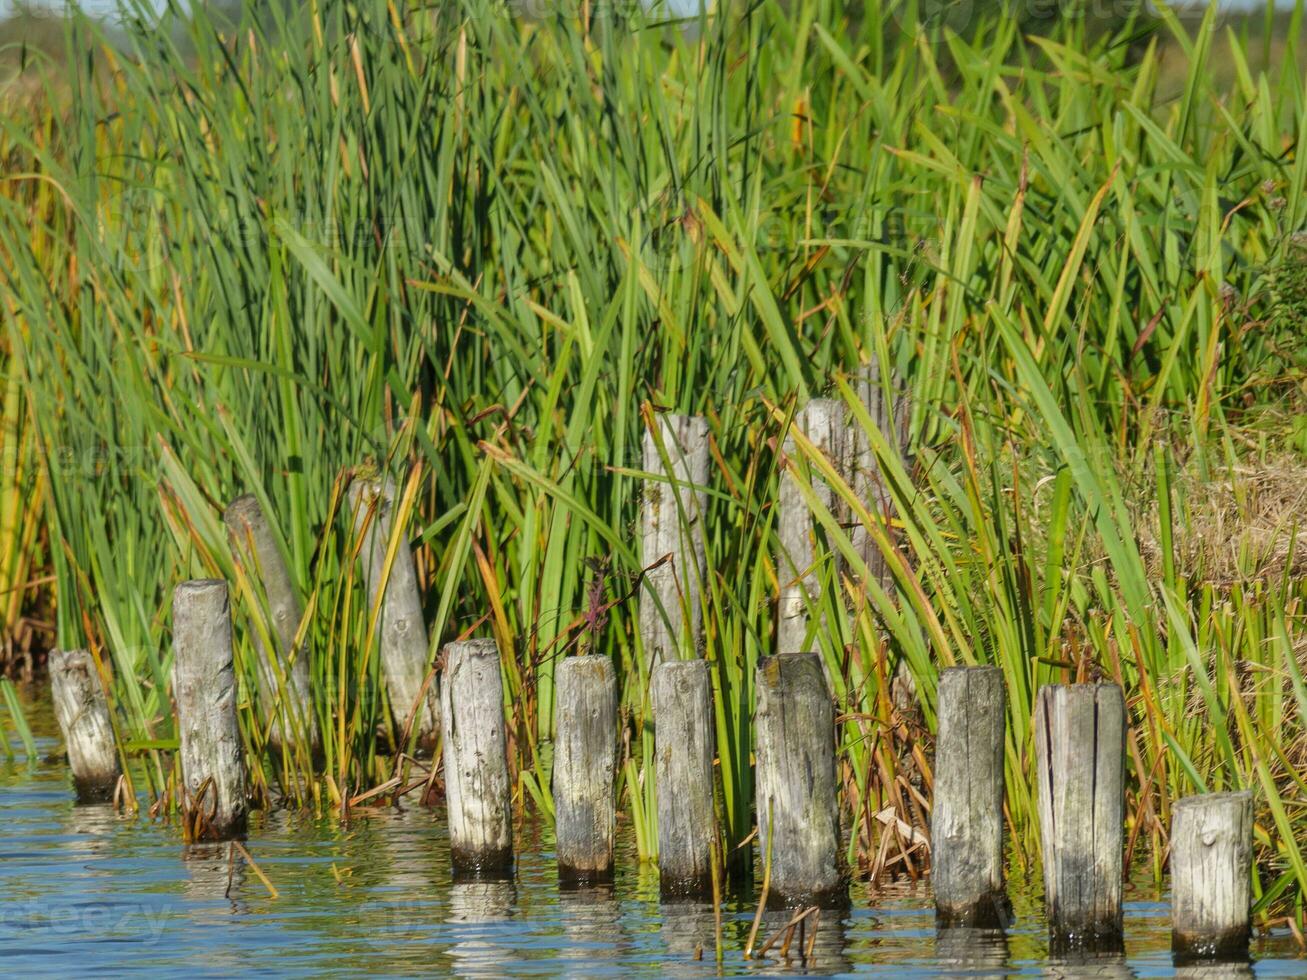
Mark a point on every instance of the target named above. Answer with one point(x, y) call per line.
point(84, 887)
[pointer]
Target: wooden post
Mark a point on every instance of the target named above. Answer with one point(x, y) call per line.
point(1211, 857)
point(585, 764)
point(890, 413)
point(204, 687)
point(822, 422)
point(477, 784)
point(82, 711)
point(967, 821)
point(1080, 763)
point(798, 814)
point(283, 672)
point(684, 741)
point(671, 524)
point(402, 630)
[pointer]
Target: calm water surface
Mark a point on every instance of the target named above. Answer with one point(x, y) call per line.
point(82, 888)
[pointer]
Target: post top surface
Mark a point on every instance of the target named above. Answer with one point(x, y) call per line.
point(245, 507)
point(694, 666)
point(478, 647)
point(367, 489)
point(793, 665)
point(65, 659)
point(962, 669)
point(1201, 800)
point(200, 586)
point(590, 663)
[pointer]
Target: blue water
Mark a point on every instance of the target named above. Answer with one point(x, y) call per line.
point(84, 888)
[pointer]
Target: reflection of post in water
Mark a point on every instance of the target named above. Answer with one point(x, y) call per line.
point(215, 875)
point(807, 939)
point(477, 911)
point(91, 828)
point(412, 867)
point(592, 922)
point(688, 931)
point(404, 874)
point(1214, 971)
point(977, 952)
point(1089, 964)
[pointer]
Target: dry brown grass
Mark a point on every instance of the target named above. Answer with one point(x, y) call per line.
point(1249, 524)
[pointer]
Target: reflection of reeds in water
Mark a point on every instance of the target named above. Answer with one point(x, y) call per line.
point(477, 910)
point(977, 952)
point(803, 941)
point(592, 922)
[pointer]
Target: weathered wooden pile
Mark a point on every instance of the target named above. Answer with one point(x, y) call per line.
point(1079, 731)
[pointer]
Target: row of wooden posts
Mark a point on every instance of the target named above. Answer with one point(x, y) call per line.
point(1079, 741)
point(1079, 728)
